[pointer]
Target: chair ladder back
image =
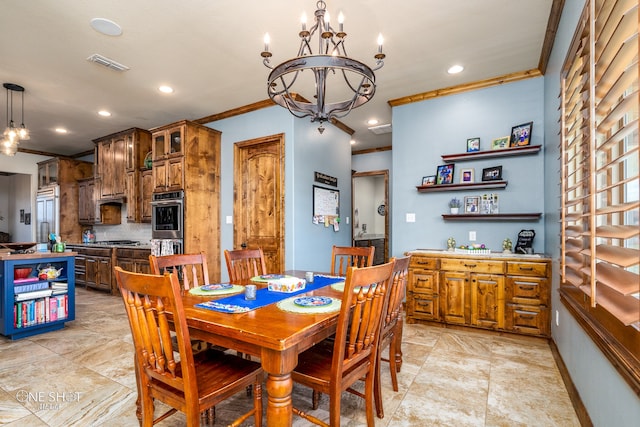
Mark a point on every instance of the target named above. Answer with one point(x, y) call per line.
point(191, 269)
point(397, 289)
point(343, 257)
point(243, 264)
point(359, 323)
point(146, 299)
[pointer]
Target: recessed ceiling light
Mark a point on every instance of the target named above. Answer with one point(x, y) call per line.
point(352, 142)
point(372, 122)
point(106, 27)
point(165, 89)
point(455, 69)
point(61, 130)
point(104, 113)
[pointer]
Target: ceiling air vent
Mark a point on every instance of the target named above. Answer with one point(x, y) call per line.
point(106, 62)
point(381, 129)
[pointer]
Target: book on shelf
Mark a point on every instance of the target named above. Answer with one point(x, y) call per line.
point(33, 294)
point(30, 287)
point(38, 311)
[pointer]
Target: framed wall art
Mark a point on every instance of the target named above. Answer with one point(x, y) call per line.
point(473, 144)
point(492, 174)
point(500, 143)
point(471, 204)
point(466, 176)
point(444, 174)
point(521, 135)
point(429, 180)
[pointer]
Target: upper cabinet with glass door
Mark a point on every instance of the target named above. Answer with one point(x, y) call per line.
point(168, 142)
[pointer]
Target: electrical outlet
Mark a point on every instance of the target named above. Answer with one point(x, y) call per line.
point(472, 236)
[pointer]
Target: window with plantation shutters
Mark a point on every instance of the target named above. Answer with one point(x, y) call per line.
point(600, 256)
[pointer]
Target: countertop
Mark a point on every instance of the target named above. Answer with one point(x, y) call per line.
point(446, 253)
point(36, 255)
point(368, 237)
point(99, 245)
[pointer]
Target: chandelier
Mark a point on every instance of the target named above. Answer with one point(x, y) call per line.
point(352, 82)
point(12, 135)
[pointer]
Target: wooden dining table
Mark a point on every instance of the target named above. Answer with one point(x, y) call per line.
point(273, 335)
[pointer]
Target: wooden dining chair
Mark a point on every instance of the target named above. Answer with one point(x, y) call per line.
point(343, 257)
point(333, 366)
point(191, 269)
point(243, 264)
point(391, 329)
point(186, 383)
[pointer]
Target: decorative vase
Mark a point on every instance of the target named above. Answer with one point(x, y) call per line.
point(454, 211)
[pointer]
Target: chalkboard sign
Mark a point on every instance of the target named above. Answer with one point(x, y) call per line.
point(525, 241)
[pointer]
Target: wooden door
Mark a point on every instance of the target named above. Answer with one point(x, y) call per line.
point(258, 199)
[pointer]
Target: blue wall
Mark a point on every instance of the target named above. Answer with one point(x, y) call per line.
point(307, 246)
point(607, 397)
point(424, 131)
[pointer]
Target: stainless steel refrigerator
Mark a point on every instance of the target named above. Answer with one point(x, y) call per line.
point(47, 213)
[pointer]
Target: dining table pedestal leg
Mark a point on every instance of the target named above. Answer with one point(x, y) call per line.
point(279, 385)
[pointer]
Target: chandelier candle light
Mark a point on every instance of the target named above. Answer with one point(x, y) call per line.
point(12, 135)
point(331, 59)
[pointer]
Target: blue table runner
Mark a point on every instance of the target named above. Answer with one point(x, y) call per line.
point(237, 303)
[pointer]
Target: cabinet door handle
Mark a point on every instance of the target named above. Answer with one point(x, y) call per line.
point(526, 288)
point(471, 265)
point(526, 268)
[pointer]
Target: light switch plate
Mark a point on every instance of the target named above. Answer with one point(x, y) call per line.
point(229, 219)
point(411, 217)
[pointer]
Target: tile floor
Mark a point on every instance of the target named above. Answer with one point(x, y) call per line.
point(83, 376)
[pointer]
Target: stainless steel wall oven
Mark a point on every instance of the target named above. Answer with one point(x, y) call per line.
point(167, 215)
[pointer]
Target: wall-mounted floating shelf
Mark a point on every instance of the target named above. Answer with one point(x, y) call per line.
point(493, 217)
point(475, 155)
point(456, 187)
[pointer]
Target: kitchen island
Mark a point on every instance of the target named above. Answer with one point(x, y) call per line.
point(30, 305)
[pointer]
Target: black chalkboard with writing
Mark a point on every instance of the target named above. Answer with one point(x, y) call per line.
point(525, 241)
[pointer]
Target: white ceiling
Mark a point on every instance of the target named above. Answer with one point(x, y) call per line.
point(209, 51)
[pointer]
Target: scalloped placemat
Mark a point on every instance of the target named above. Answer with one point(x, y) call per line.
point(291, 307)
point(234, 289)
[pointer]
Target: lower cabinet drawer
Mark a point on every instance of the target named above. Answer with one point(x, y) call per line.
point(472, 265)
point(527, 319)
point(423, 306)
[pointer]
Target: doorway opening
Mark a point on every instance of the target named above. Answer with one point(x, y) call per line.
point(370, 204)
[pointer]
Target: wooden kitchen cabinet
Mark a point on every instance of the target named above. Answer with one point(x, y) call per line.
point(118, 155)
point(379, 254)
point(86, 201)
point(146, 189)
point(503, 293)
point(527, 308)
point(68, 173)
point(423, 299)
point(93, 266)
point(186, 156)
point(134, 259)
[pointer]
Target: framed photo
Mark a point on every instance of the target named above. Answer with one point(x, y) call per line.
point(521, 135)
point(500, 143)
point(473, 144)
point(492, 174)
point(27, 218)
point(429, 180)
point(471, 204)
point(444, 174)
point(21, 215)
point(466, 176)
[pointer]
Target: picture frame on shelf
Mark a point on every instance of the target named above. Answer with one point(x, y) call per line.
point(492, 174)
point(473, 144)
point(428, 180)
point(444, 174)
point(471, 204)
point(500, 143)
point(521, 135)
point(466, 176)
